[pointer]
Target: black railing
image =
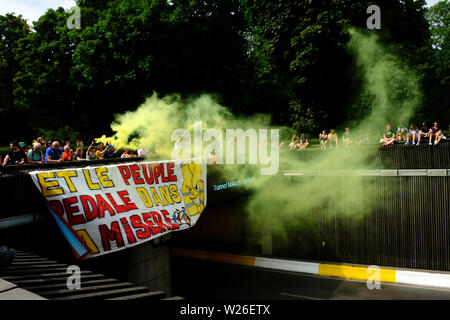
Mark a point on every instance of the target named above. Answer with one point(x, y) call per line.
point(398, 156)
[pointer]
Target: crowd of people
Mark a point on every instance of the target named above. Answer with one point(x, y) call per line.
point(331, 139)
point(403, 135)
point(41, 152)
point(413, 135)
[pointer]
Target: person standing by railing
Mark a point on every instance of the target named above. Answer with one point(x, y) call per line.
point(99, 152)
point(109, 152)
point(54, 153)
point(15, 155)
point(68, 153)
point(91, 152)
point(35, 155)
point(79, 155)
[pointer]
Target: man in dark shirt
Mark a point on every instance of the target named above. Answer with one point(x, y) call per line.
point(436, 132)
point(15, 155)
point(424, 133)
point(304, 141)
point(109, 152)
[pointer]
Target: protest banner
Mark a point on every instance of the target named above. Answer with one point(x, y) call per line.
point(102, 209)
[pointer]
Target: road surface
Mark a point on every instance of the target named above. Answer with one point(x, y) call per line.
point(201, 279)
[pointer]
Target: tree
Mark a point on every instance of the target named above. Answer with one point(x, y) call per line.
point(287, 59)
point(140, 47)
point(12, 29)
point(436, 66)
point(43, 86)
point(298, 48)
point(439, 19)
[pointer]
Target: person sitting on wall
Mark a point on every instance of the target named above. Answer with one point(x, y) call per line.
point(333, 138)
point(294, 142)
point(402, 135)
point(347, 138)
point(15, 155)
point(436, 133)
point(53, 153)
point(323, 137)
point(35, 155)
point(388, 136)
point(413, 134)
point(303, 142)
point(424, 132)
point(363, 137)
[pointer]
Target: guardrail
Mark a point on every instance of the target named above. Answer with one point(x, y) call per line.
point(371, 173)
point(397, 156)
point(7, 171)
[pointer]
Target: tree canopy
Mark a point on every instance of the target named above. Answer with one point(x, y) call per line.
point(284, 58)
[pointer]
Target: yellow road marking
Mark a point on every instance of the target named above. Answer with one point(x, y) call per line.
point(357, 273)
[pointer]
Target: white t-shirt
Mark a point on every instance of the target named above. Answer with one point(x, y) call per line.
point(142, 152)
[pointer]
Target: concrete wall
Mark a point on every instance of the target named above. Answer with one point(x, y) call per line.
point(149, 264)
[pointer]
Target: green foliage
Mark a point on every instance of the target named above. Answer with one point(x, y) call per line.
point(12, 29)
point(299, 47)
point(439, 19)
point(43, 86)
point(436, 66)
point(61, 134)
point(284, 58)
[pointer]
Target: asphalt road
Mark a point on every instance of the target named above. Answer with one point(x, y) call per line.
point(200, 279)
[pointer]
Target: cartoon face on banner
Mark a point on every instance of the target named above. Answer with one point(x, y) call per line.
point(193, 188)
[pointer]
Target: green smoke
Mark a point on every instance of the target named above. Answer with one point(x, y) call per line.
point(293, 205)
point(393, 86)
